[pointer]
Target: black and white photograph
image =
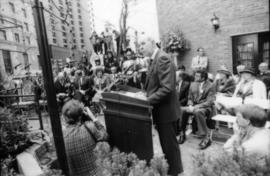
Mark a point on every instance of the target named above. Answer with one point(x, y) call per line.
point(134, 88)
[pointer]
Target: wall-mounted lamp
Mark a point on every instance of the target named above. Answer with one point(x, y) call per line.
point(215, 22)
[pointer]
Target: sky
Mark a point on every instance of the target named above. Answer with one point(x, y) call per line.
point(142, 17)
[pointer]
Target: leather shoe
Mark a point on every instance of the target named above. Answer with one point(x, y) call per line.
point(205, 143)
point(182, 138)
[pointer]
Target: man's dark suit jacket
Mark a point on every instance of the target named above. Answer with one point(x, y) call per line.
point(87, 83)
point(160, 87)
point(202, 99)
point(183, 93)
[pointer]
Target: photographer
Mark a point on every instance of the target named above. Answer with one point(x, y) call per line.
point(81, 134)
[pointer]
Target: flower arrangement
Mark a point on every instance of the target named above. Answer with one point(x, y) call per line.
point(113, 162)
point(174, 41)
point(234, 164)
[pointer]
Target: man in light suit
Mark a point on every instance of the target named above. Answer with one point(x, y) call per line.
point(199, 62)
point(160, 88)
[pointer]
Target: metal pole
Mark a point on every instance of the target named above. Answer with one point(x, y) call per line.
point(45, 62)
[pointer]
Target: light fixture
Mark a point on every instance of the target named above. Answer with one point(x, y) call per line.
point(215, 22)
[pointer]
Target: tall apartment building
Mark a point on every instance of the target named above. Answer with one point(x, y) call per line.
point(75, 30)
point(18, 45)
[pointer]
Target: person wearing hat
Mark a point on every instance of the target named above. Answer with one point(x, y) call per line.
point(224, 84)
point(250, 86)
point(265, 75)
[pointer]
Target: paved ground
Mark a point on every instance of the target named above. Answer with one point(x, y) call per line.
point(188, 149)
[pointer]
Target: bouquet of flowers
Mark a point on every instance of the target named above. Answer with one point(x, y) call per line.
point(175, 41)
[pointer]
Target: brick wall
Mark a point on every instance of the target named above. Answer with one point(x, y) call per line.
point(193, 17)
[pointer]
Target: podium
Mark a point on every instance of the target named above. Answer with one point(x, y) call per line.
point(129, 124)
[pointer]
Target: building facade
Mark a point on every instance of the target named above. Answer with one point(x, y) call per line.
point(18, 45)
point(74, 31)
point(242, 36)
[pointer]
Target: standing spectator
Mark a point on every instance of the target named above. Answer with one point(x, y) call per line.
point(199, 62)
point(265, 75)
point(117, 40)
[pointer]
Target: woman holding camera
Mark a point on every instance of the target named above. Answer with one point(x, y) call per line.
point(81, 134)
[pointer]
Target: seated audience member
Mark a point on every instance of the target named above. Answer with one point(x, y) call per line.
point(224, 84)
point(60, 84)
point(250, 86)
point(265, 75)
point(237, 77)
point(250, 134)
point(182, 89)
point(211, 77)
point(81, 134)
point(107, 65)
point(100, 80)
point(200, 103)
point(186, 76)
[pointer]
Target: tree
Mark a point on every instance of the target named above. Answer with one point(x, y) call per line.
point(123, 24)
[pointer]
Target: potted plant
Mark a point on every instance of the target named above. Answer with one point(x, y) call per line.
point(173, 42)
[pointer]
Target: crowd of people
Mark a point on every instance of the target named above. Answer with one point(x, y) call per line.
point(168, 88)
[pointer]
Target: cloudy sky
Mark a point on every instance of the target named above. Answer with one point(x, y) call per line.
point(142, 17)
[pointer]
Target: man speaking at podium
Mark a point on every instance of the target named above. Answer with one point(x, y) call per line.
point(160, 88)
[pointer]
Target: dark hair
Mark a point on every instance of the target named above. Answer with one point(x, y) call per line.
point(199, 49)
point(72, 111)
point(256, 115)
point(181, 67)
point(203, 74)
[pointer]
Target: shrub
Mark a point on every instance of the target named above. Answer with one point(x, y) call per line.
point(237, 163)
point(113, 162)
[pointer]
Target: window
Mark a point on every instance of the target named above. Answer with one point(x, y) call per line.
point(81, 29)
point(3, 35)
point(81, 34)
point(54, 40)
point(80, 23)
point(79, 10)
point(24, 13)
point(82, 41)
point(52, 21)
point(53, 27)
point(79, 16)
point(74, 40)
point(12, 7)
point(63, 28)
point(78, 4)
point(65, 40)
point(7, 61)
point(64, 34)
point(82, 46)
point(54, 34)
point(50, 7)
point(17, 37)
point(74, 35)
point(62, 15)
point(71, 16)
point(22, 1)
point(26, 27)
point(65, 46)
point(72, 22)
point(28, 40)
